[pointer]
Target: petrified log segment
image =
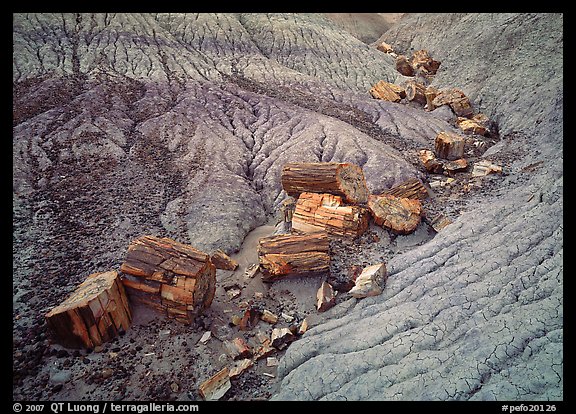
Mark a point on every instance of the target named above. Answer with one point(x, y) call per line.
point(401, 215)
point(93, 314)
point(317, 212)
point(387, 91)
point(430, 161)
point(411, 188)
point(172, 277)
point(385, 47)
point(415, 91)
point(471, 126)
point(403, 66)
point(449, 146)
point(422, 59)
point(293, 255)
point(456, 99)
point(222, 261)
point(343, 179)
point(430, 93)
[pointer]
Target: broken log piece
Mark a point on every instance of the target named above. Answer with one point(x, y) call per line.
point(449, 146)
point(185, 278)
point(387, 91)
point(96, 312)
point(239, 367)
point(411, 188)
point(222, 261)
point(484, 167)
point(344, 179)
point(422, 59)
point(237, 348)
point(456, 99)
point(400, 215)
point(294, 255)
point(471, 126)
point(430, 162)
point(370, 282)
point(281, 338)
point(317, 212)
point(415, 92)
point(216, 386)
point(325, 297)
point(385, 47)
point(430, 93)
point(455, 166)
point(404, 66)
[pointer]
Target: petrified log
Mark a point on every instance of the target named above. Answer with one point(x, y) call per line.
point(456, 99)
point(411, 188)
point(385, 47)
point(403, 66)
point(343, 179)
point(471, 126)
point(401, 215)
point(216, 386)
point(172, 277)
point(387, 91)
point(430, 93)
point(222, 261)
point(449, 146)
point(430, 162)
point(316, 212)
point(293, 255)
point(422, 59)
point(415, 91)
point(93, 314)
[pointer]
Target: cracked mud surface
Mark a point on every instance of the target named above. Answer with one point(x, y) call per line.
point(178, 125)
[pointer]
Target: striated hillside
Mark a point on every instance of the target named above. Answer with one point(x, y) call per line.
point(179, 124)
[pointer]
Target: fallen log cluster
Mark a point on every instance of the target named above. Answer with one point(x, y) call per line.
point(421, 67)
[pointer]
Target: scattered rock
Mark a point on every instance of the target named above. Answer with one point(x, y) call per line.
point(385, 47)
point(325, 297)
point(205, 337)
point(303, 327)
point(370, 282)
point(238, 348)
point(430, 162)
point(106, 373)
point(281, 338)
point(439, 222)
point(239, 367)
point(216, 386)
point(269, 317)
point(251, 270)
point(222, 261)
point(484, 167)
point(456, 165)
point(272, 362)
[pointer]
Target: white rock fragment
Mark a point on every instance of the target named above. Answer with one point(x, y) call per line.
point(370, 281)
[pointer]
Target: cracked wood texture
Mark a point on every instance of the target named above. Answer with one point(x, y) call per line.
point(294, 255)
point(172, 277)
point(477, 312)
point(93, 314)
point(344, 179)
point(317, 212)
point(179, 125)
